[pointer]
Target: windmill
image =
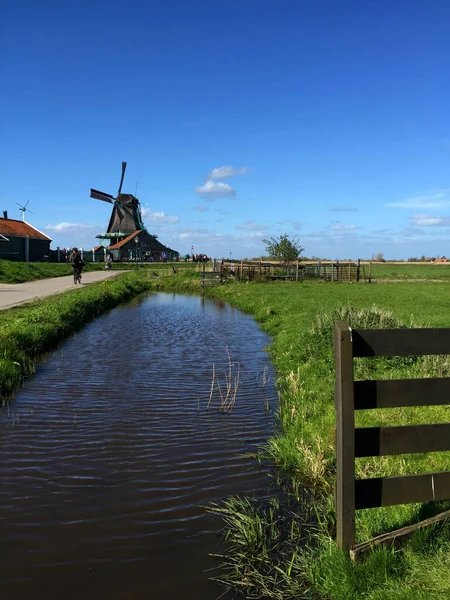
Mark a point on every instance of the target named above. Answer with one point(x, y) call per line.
point(24, 209)
point(126, 215)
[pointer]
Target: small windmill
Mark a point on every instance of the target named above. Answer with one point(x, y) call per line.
point(126, 215)
point(24, 209)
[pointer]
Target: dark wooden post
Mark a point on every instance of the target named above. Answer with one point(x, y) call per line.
point(296, 271)
point(259, 270)
point(345, 438)
point(358, 269)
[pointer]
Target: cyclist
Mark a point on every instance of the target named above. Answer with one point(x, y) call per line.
point(77, 262)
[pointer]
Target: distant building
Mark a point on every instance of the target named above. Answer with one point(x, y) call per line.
point(147, 247)
point(441, 260)
point(22, 242)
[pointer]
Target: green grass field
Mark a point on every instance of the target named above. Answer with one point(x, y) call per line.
point(300, 319)
point(439, 271)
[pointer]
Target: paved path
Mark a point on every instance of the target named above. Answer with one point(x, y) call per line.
point(18, 293)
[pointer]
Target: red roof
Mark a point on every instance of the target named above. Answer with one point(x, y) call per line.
point(125, 240)
point(20, 229)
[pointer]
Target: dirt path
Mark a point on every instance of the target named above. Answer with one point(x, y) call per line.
point(18, 293)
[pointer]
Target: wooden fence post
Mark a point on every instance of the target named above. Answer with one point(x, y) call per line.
point(345, 438)
point(296, 271)
point(358, 269)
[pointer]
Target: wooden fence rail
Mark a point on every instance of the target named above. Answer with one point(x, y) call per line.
point(297, 271)
point(351, 442)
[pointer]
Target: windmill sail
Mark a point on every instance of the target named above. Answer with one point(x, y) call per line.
point(124, 166)
point(102, 196)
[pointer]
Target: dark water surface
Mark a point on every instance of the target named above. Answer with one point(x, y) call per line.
point(108, 452)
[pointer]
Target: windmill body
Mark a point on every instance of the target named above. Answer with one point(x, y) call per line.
point(126, 215)
point(124, 226)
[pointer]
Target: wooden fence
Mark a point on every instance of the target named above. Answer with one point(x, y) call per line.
point(353, 494)
point(297, 271)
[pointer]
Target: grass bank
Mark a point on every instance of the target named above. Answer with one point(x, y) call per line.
point(276, 550)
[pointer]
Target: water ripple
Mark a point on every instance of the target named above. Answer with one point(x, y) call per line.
point(107, 455)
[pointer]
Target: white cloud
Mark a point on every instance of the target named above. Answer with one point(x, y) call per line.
point(226, 172)
point(342, 227)
point(195, 232)
point(413, 232)
point(200, 208)
point(437, 200)
point(71, 227)
point(158, 217)
point(343, 209)
point(429, 221)
point(212, 190)
point(252, 226)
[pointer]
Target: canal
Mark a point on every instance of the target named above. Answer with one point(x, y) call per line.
point(108, 454)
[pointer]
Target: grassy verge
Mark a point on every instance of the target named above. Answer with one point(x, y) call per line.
point(273, 555)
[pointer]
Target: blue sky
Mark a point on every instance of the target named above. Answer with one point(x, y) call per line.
point(240, 120)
